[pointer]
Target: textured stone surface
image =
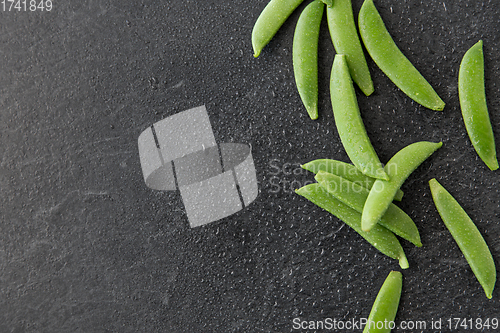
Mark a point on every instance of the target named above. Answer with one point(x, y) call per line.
point(85, 246)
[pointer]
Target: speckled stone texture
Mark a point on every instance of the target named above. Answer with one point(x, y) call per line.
point(85, 246)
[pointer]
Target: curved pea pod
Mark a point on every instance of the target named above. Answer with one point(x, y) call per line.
point(305, 55)
point(386, 305)
point(399, 167)
point(468, 238)
point(381, 238)
point(346, 171)
point(472, 96)
point(354, 195)
point(346, 41)
point(270, 20)
point(349, 124)
point(391, 60)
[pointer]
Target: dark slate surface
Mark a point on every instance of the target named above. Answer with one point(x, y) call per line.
point(85, 246)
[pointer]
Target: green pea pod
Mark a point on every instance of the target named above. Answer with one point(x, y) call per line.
point(346, 41)
point(473, 104)
point(349, 124)
point(346, 171)
point(270, 20)
point(381, 238)
point(385, 307)
point(399, 167)
point(329, 3)
point(468, 238)
point(305, 55)
point(354, 195)
point(391, 60)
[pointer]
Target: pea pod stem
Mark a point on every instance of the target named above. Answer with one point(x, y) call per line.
point(468, 238)
point(354, 195)
point(349, 124)
point(346, 41)
point(399, 167)
point(386, 304)
point(305, 55)
point(381, 238)
point(329, 3)
point(472, 97)
point(270, 20)
point(346, 171)
point(391, 60)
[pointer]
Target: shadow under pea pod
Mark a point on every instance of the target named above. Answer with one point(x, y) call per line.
point(215, 180)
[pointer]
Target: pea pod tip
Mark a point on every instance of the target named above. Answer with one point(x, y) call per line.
point(256, 50)
point(380, 173)
point(377, 174)
point(397, 273)
point(367, 225)
point(320, 177)
point(306, 166)
point(312, 111)
point(368, 91)
point(440, 106)
point(493, 164)
point(435, 185)
point(403, 262)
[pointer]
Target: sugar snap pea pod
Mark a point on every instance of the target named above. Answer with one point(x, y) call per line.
point(473, 104)
point(305, 55)
point(391, 60)
point(386, 305)
point(355, 196)
point(270, 20)
point(399, 167)
point(381, 238)
point(346, 41)
point(346, 171)
point(468, 238)
point(349, 124)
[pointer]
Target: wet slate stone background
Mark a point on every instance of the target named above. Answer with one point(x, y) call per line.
point(85, 246)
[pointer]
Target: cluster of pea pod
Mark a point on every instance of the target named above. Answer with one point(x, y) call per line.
point(345, 192)
point(350, 61)
point(361, 194)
